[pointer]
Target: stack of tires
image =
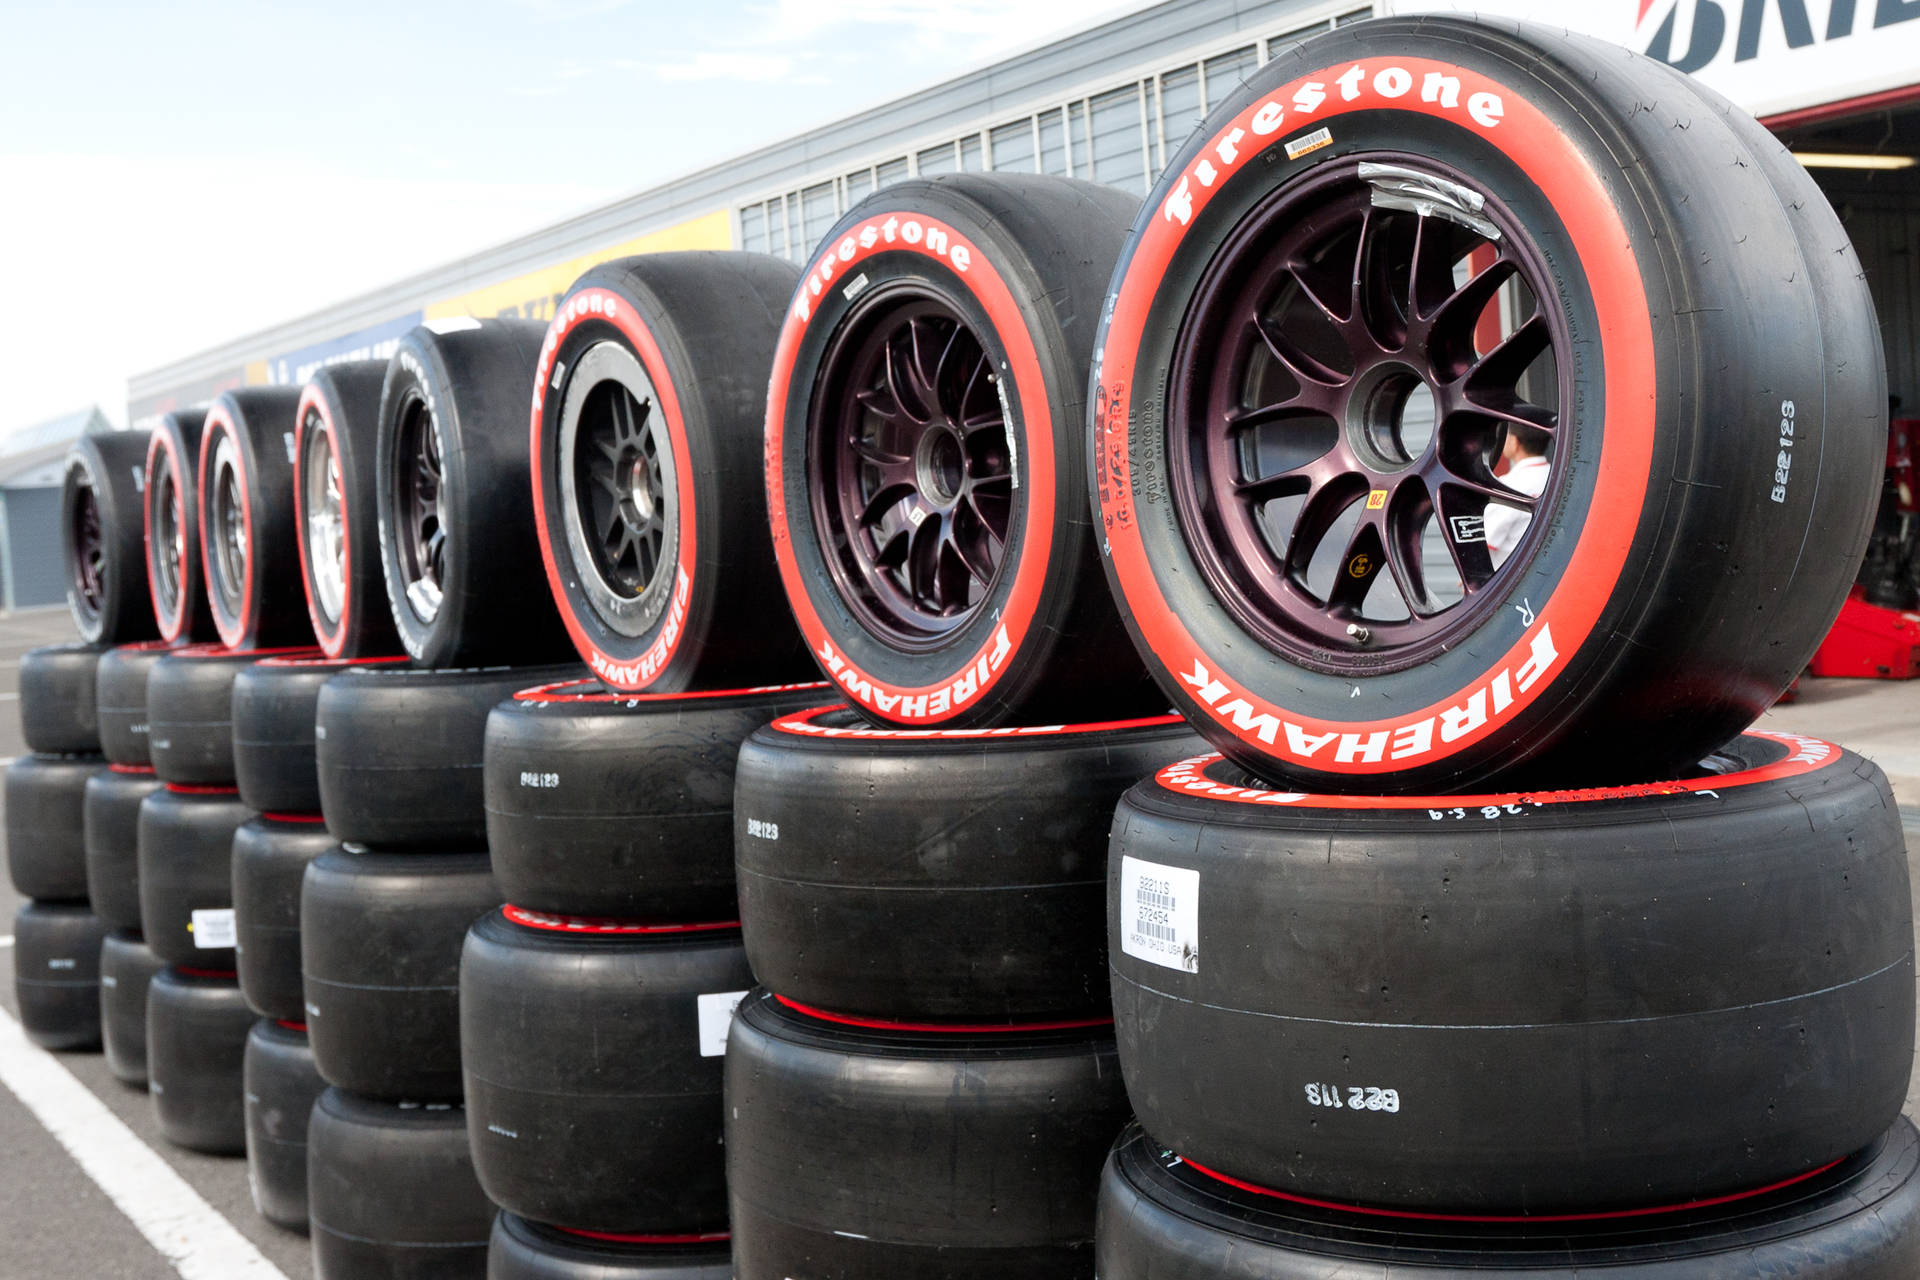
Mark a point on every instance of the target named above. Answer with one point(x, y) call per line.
point(415, 528)
point(219, 534)
point(61, 940)
point(595, 1005)
point(57, 936)
point(1489, 941)
point(925, 1082)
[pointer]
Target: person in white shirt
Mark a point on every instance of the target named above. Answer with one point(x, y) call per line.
point(1527, 471)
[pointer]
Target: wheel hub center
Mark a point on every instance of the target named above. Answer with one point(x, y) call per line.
point(940, 465)
point(639, 487)
point(1390, 416)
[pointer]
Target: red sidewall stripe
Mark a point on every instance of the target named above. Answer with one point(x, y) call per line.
point(130, 768)
point(233, 632)
point(307, 818)
point(947, 1028)
point(301, 1027)
point(201, 789)
point(1804, 755)
point(1566, 620)
point(806, 724)
point(604, 925)
point(602, 304)
point(172, 626)
point(1416, 1216)
point(312, 402)
point(984, 283)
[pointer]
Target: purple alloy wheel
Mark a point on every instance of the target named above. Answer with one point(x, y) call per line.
point(89, 553)
point(913, 491)
point(1344, 383)
point(421, 538)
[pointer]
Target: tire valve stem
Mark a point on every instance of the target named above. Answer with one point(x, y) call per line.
point(1358, 632)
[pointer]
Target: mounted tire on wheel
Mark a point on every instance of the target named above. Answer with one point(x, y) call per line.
point(925, 453)
point(245, 487)
point(172, 525)
point(104, 530)
point(1399, 251)
point(336, 435)
point(646, 448)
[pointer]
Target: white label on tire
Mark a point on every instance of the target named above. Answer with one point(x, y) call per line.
point(213, 927)
point(716, 1015)
point(1160, 914)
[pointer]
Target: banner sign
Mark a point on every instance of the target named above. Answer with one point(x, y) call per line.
point(1769, 56)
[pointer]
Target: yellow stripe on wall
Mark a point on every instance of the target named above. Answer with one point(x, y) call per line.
point(532, 296)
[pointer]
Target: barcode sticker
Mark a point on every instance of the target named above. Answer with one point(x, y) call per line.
point(213, 927)
point(1160, 914)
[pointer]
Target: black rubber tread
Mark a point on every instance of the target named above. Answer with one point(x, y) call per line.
point(1053, 241)
point(868, 1154)
point(1578, 1002)
point(593, 1073)
point(113, 464)
point(280, 1087)
point(274, 702)
point(185, 860)
point(122, 685)
point(270, 857)
point(197, 1028)
point(110, 832)
point(173, 460)
point(126, 969)
point(45, 814)
point(1723, 587)
point(343, 401)
point(391, 1192)
point(712, 319)
point(523, 1250)
point(190, 711)
point(401, 752)
point(1162, 1220)
point(380, 939)
point(954, 876)
point(59, 709)
point(603, 804)
point(270, 609)
point(56, 974)
point(473, 384)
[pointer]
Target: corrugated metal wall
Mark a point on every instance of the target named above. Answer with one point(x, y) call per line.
point(1884, 221)
point(35, 571)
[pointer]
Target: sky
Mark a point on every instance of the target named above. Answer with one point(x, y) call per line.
point(174, 176)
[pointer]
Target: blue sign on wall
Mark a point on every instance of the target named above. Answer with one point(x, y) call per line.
point(376, 342)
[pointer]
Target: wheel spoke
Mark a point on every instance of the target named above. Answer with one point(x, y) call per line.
point(1359, 564)
point(1501, 369)
point(900, 383)
point(1407, 515)
point(1306, 369)
point(1430, 282)
point(1450, 326)
point(883, 501)
point(1322, 510)
point(977, 560)
point(1377, 313)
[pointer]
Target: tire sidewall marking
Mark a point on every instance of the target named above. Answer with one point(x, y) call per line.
point(550, 694)
point(1804, 756)
point(1562, 623)
point(219, 420)
point(584, 306)
point(970, 266)
point(806, 724)
point(313, 401)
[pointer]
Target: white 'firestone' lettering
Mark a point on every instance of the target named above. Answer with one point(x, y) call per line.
point(1398, 742)
point(937, 241)
point(1387, 83)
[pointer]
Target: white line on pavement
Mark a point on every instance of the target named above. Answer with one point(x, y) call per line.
point(188, 1232)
